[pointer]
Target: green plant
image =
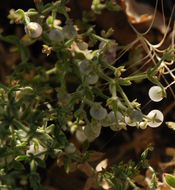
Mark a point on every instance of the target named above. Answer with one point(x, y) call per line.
point(77, 95)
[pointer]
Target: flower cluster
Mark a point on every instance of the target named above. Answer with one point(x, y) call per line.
point(78, 94)
point(94, 74)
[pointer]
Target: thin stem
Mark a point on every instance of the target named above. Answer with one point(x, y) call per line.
point(20, 125)
point(33, 13)
point(51, 7)
point(113, 89)
point(103, 76)
point(51, 71)
point(132, 184)
point(170, 85)
point(100, 38)
point(124, 96)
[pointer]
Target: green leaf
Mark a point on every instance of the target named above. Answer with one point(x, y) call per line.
point(20, 12)
point(67, 165)
point(11, 39)
point(144, 155)
point(50, 128)
point(21, 145)
point(153, 184)
point(50, 20)
point(21, 158)
point(124, 82)
point(33, 165)
point(169, 179)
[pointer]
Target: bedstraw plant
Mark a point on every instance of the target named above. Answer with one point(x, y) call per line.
point(43, 106)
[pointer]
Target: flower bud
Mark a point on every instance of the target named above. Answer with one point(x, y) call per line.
point(70, 149)
point(92, 78)
point(80, 136)
point(56, 35)
point(98, 112)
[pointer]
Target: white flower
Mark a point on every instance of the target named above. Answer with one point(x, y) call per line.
point(36, 148)
point(98, 112)
point(33, 29)
point(155, 118)
point(155, 93)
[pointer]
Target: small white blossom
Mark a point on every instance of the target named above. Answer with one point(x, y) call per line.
point(36, 148)
point(33, 29)
point(155, 93)
point(155, 118)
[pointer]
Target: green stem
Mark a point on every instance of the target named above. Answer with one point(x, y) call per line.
point(34, 13)
point(132, 184)
point(155, 69)
point(100, 38)
point(124, 96)
point(20, 125)
point(54, 5)
point(109, 66)
point(51, 71)
point(103, 76)
point(113, 89)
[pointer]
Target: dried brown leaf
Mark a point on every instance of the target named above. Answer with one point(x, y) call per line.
point(139, 13)
point(162, 186)
point(166, 165)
